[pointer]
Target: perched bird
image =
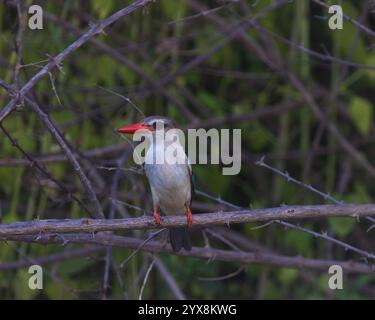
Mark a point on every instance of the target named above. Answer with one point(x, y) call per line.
point(171, 184)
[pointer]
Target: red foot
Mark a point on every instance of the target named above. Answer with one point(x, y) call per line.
point(189, 216)
point(157, 216)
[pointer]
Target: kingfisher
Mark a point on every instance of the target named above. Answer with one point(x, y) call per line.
point(171, 183)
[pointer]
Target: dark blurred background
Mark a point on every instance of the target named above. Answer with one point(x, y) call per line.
point(299, 91)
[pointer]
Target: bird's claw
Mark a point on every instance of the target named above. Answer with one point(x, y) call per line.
point(189, 216)
point(157, 217)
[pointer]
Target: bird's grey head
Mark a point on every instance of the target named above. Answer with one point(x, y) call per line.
point(156, 122)
point(152, 124)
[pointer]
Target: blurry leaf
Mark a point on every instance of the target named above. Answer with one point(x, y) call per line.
point(57, 291)
point(259, 136)
point(371, 62)
point(342, 226)
point(344, 38)
point(254, 270)
point(70, 267)
point(16, 191)
point(7, 252)
point(102, 8)
point(56, 39)
point(323, 281)
point(287, 275)
point(363, 280)
point(105, 70)
point(299, 241)
point(359, 195)
point(21, 285)
point(7, 179)
point(272, 291)
point(361, 112)
point(212, 102)
point(173, 9)
point(88, 137)
point(210, 175)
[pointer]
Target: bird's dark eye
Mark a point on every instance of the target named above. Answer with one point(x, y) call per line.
point(154, 125)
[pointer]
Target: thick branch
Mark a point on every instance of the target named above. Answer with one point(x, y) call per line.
point(200, 220)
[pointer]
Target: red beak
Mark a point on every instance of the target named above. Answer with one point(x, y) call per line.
point(133, 128)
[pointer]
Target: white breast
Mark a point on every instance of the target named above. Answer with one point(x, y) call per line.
point(170, 183)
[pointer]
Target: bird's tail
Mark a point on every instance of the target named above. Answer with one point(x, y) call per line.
point(179, 238)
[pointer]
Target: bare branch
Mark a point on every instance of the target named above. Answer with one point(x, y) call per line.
point(200, 220)
point(207, 253)
point(69, 154)
point(36, 164)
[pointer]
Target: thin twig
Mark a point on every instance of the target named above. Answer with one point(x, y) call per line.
point(35, 163)
point(286, 175)
point(170, 281)
point(145, 279)
point(98, 211)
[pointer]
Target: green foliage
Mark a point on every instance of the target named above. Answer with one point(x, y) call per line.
point(21, 286)
point(342, 226)
point(102, 8)
point(361, 111)
point(287, 276)
point(299, 242)
point(259, 137)
point(343, 38)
